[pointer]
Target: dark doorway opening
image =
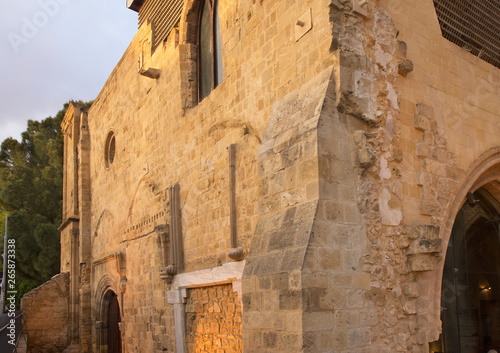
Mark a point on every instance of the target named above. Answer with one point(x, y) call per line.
point(470, 292)
point(114, 336)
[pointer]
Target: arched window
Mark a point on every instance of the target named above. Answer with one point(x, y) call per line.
point(109, 149)
point(470, 293)
point(210, 60)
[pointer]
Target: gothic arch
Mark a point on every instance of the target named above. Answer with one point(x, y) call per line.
point(107, 289)
point(484, 170)
point(188, 51)
point(482, 178)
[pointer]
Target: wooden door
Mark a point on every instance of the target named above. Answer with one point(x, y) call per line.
point(114, 336)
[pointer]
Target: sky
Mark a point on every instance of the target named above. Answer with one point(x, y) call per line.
point(53, 51)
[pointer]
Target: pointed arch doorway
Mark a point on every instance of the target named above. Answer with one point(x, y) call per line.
point(470, 292)
point(113, 329)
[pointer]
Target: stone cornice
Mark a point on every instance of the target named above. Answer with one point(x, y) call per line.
point(68, 221)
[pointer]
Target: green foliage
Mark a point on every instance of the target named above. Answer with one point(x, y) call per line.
point(31, 181)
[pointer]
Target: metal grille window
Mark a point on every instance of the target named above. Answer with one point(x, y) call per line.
point(163, 15)
point(473, 25)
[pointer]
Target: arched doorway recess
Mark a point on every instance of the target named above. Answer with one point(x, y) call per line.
point(114, 319)
point(470, 289)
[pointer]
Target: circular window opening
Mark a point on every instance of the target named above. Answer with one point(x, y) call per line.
point(109, 150)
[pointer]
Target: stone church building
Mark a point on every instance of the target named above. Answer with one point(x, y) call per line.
point(285, 176)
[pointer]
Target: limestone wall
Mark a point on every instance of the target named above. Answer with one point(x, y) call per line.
point(162, 140)
point(213, 320)
point(46, 315)
point(353, 144)
point(416, 138)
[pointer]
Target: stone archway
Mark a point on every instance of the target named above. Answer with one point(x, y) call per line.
point(108, 317)
point(470, 292)
point(469, 282)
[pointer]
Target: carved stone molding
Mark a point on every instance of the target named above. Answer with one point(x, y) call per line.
point(236, 253)
point(176, 234)
point(170, 239)
point(120, 268)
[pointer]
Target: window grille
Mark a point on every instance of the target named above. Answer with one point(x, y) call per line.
point(474, 25)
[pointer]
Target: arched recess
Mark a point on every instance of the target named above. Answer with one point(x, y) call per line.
point(467, 286)
point(108, 316)
point(188, 51)
point(191, 51)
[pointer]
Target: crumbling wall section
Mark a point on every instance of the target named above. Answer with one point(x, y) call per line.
point(45, 311)
point(403, 247)
point(376, 252)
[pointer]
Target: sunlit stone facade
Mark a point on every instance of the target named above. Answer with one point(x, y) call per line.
point(358, 135)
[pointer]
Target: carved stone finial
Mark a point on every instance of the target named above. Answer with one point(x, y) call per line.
point(236, 254)
point(168, 273)
point(405, 67)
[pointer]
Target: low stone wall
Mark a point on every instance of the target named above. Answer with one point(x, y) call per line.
point(213, 320)
point(45, 311)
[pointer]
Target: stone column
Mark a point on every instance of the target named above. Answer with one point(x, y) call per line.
point(177, 297)
point(85, 248)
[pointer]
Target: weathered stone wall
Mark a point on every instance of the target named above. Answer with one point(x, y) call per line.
point(289, 190)
point(161, 140)
point(46, 315)
point(213, 320)
point(352, 144)
point(387, 179)
point(414, 135)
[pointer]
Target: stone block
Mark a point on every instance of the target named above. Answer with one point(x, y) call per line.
point(410, 290)
point(355, 299)
point(362, 280)
point(290, 300)
point(329, 259)
point(422, 246)
point(422, 262)
point(269, 339)
point(430, 208)
point(421, 123)
point(282, 240)
point(318, 321)
point(358, 337)
point(293, 259)
point(425, 110)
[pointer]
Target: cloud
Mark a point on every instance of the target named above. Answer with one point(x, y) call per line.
point(52, 51)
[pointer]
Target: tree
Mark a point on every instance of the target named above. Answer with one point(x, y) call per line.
point(31, 181)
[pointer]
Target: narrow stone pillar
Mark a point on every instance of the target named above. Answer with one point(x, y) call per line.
point(236, 253)
point(74, 293)
point(100, 329)
point(176, 233)
point(178, 297)
point(85, 240)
